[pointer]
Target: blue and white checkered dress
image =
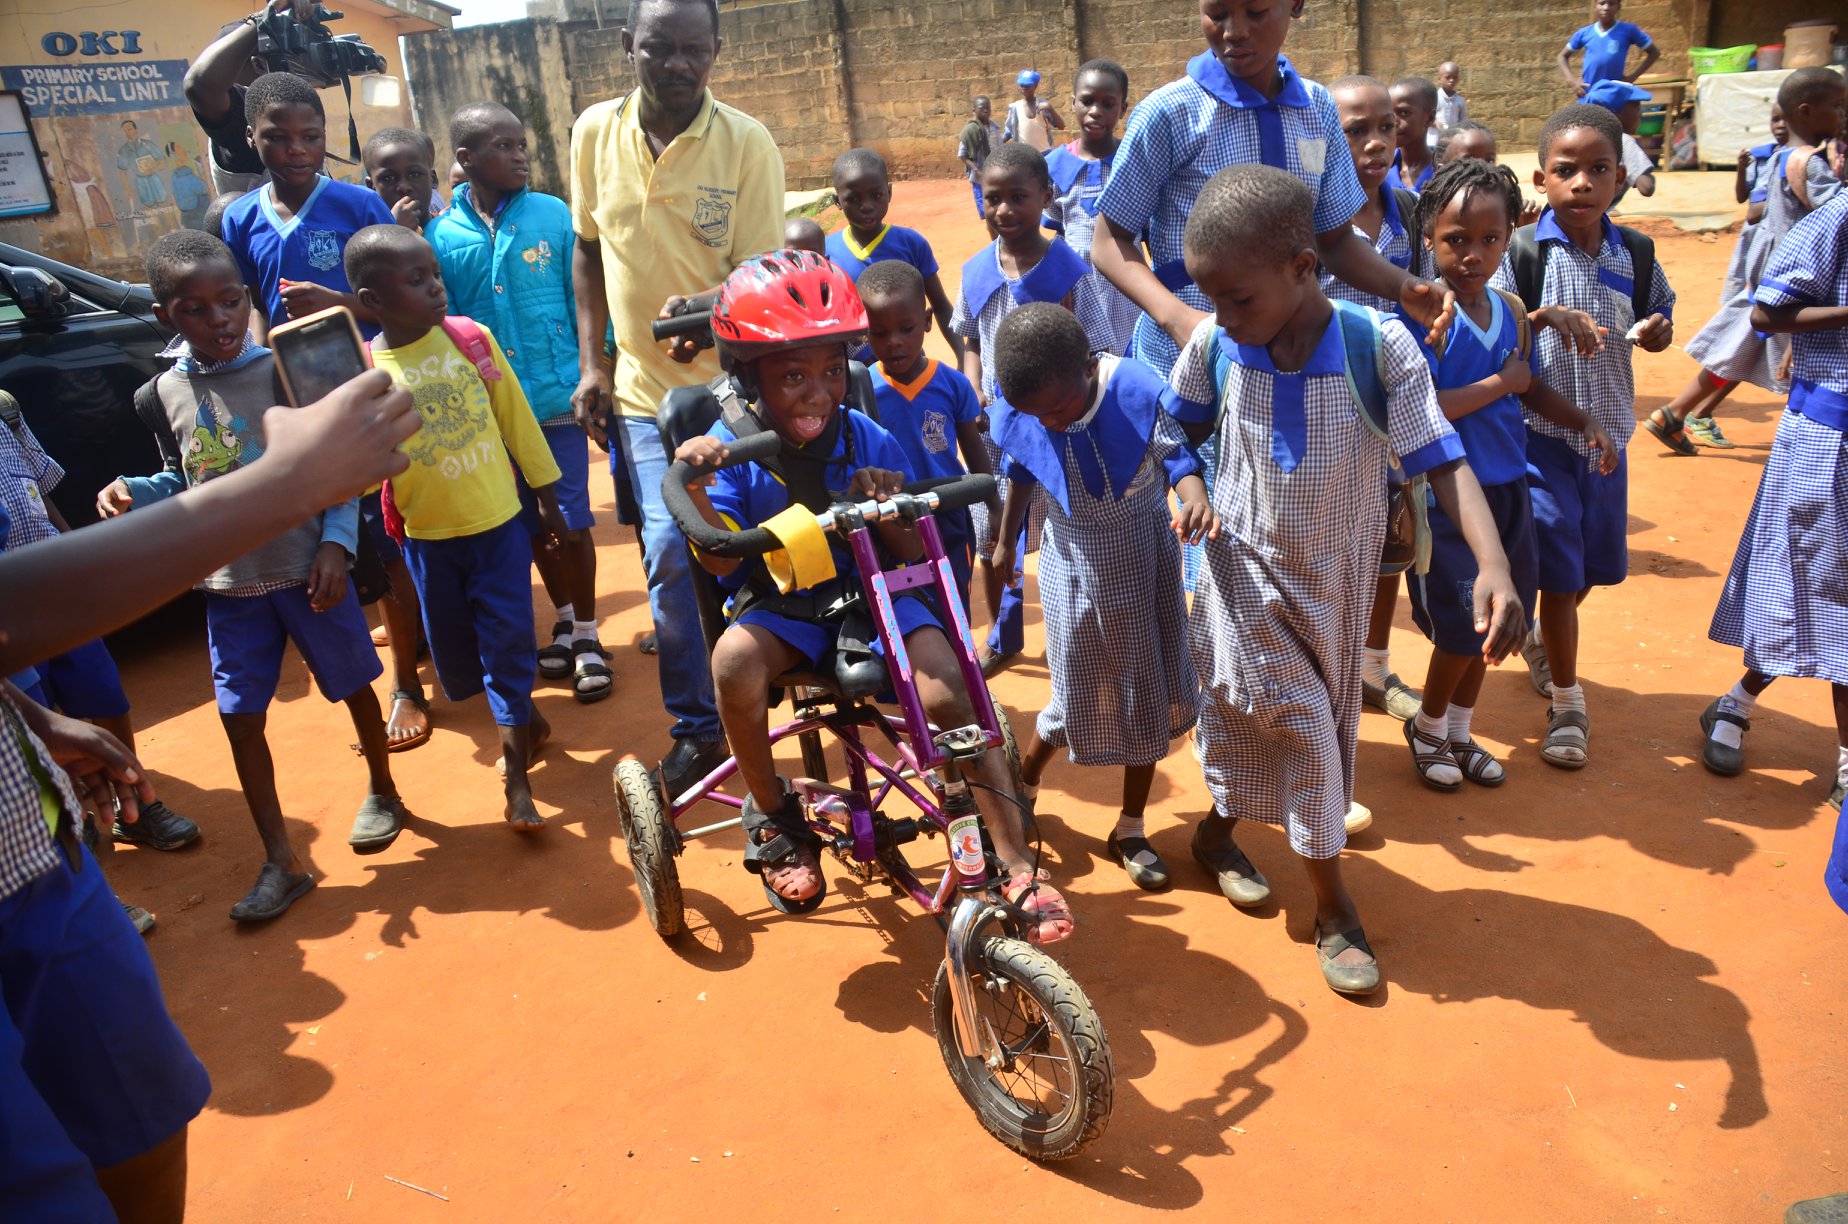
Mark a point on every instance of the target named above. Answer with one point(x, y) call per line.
point(1394, 244)
point(27, 477)
point(1123, 684)
point(1182, 134)
point(1074, 215)
point(1281, 611)
point(1604, 385)
point(1729, 346)
point(27, 849)
point(1785, 602)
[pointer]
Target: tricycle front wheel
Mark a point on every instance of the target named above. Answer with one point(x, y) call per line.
point(650, 841)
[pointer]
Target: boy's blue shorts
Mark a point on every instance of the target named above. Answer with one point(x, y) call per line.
point(1443, 600)
point(814, 639)
point(246, 634)
point(81, 683)
point(92, 1069)
point(571, 451)
point(477, 598)
point(1582, 518)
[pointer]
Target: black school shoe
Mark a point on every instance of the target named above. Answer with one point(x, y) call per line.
point(160, 828)
point(688, 762)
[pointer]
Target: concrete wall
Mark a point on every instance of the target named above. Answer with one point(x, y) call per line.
point(110, 204)
point(824, 75)
point(519, 64)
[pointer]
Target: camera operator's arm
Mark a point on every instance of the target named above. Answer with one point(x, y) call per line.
point(209, 80)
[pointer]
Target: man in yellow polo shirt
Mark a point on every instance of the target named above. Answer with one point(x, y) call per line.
point(671, 190)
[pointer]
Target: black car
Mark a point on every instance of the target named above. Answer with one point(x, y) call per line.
point(74, 347)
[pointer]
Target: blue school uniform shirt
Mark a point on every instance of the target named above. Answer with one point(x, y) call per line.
point(1494, 436)
point(1397, 179)
point(1603, 385)
point(1189, 130)
point(1810, 268)
point(1606, 51)
point(310, 246)
point(750, 495)
point(893, 242)
point(1394, 244)
point(923, 415)
point(1078, 185)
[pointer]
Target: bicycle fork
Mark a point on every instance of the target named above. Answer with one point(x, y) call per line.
point(974, 1037)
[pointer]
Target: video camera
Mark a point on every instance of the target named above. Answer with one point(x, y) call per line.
point(309, 49)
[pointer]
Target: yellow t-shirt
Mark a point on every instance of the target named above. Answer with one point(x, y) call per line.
point(676, 225)
point(459, 482)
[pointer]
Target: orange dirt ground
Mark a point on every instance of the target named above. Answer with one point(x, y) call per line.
point(1611, 995)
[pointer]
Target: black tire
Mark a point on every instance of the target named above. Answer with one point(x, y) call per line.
point(1030, 1000)
point(651, 847)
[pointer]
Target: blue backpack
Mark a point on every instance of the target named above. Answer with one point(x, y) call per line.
point(1408, 529)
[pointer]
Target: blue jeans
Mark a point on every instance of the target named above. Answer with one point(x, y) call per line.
point(686, 677)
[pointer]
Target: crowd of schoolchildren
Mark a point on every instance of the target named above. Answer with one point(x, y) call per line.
point(1242, 374)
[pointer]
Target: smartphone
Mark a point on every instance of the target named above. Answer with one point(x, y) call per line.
point(318, 353)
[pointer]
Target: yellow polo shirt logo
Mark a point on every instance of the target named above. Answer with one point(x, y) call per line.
point(712, 219)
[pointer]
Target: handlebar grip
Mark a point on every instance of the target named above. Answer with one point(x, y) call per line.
point(965, 491)
point(693, 323)
point(718, 541)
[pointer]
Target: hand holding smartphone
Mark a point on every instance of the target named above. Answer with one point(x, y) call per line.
point(318, 353)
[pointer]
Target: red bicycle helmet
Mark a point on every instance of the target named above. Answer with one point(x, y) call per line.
point(782, 300)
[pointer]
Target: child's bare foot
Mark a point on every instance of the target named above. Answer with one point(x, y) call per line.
point(521, 814)
point(539, 733)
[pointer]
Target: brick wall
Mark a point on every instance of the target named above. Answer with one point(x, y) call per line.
point(824, 75)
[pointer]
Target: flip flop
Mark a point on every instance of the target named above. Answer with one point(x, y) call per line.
point(421, 702)
point(273, 893)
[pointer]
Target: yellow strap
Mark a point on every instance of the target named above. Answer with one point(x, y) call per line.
point(805, 560)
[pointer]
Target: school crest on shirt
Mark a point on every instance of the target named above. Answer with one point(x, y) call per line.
point(712, 217)
point(936, 430)
point(323, 250)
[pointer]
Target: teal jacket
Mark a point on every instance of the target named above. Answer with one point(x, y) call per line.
point(515, 278)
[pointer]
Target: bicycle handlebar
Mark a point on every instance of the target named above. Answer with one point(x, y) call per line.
point(694, 323)
point(917, 498)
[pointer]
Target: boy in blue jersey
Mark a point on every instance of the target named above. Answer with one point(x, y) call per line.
point(1606, 43)
point(1240, 102)
point(863, 189)
point(788, 352)
point(930, 407)
point(505, 252)
point(289, 236)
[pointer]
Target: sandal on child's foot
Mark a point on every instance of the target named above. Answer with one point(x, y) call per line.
point(1539, 671)
point(1043, 907)
point(1145, 867)
point(555, 658)
point(405, 731)
point(1431, 758)
point(1241, 883)
point(594, 680)
point(1722, 759)
point(1568, 733)
point(1354, 979)
point(1477, 763)
point(1668, 432)
point(780, 848)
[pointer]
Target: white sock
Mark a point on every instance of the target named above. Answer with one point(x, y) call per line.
point(1131, 826)
point(1459, 722)
point(1435, 731)
point(1568, 698)
point(583, 629)
point(1736, 701)
point(564, 612)
point(579, 631)
point(1374, 665)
